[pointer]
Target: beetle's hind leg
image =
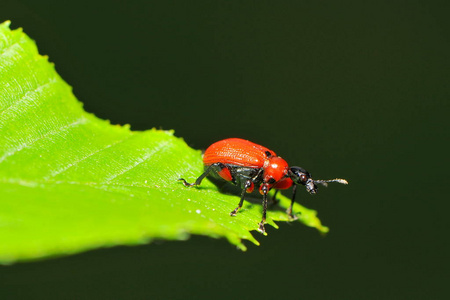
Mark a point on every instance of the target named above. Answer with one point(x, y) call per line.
point(199, 179)
point(185, 182)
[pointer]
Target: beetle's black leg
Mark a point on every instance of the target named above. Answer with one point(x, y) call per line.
point(289, 210)
point(207, 171)
point(261, 225)
point(248, 183)
point(274, 198)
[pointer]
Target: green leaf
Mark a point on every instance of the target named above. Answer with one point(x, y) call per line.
point(70, 182)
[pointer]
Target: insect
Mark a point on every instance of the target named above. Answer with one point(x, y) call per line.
point(247, 165)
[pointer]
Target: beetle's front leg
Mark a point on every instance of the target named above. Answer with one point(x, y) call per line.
point(265, 190)
point(275, 201)
point(289, 210)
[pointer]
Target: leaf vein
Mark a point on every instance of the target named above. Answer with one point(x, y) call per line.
point(65, 168)
point(50, 133)
point(9, 47)
point(143, 159)
point(40, 87)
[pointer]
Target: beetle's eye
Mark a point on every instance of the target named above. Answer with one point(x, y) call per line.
point(268, 154)
point(303, 178)
point(271, 181)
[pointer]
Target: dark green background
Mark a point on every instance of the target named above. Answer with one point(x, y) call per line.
point(352, 89)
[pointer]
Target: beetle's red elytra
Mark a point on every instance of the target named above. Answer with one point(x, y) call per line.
point(247, 165)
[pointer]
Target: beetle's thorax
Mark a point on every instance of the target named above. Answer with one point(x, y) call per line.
point(275, 169)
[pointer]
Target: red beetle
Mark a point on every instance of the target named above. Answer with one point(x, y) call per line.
point(247, 164)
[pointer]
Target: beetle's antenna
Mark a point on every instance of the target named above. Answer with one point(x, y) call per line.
point(325, 182)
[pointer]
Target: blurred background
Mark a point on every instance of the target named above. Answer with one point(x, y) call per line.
point(355, 89)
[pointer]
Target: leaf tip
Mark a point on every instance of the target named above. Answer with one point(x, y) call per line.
point(124, 126)
point(6, 23)
point(170, 131)
point(241, 247)
point(323, 229)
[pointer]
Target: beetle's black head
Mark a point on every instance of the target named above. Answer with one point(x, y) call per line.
point(303, 177)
